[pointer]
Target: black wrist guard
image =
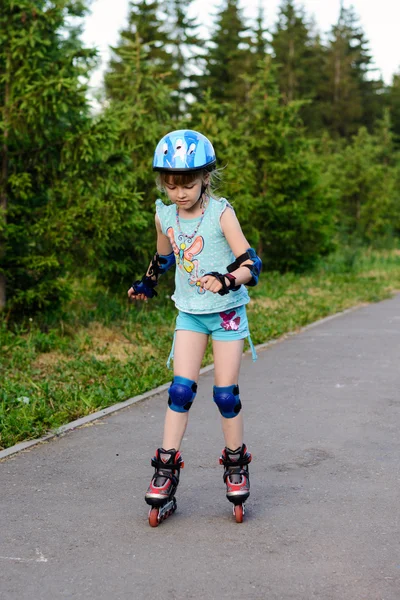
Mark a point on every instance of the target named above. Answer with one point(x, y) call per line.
point(145, 286)
point(226, 288)
point(159, 265)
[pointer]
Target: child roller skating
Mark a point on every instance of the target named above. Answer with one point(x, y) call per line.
point(161, 492)
point(199, 234)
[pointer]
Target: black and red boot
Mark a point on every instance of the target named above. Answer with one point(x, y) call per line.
point(236, 477)
point(160, 494)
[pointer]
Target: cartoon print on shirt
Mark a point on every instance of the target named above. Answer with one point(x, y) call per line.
point(195, 276)
point(184, 256)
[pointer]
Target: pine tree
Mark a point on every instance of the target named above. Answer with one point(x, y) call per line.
point(363, 174)
point(347, 94)
point(259, 42)
point(186, 49)
point(146, 31)
point(270, 176)
point(394, 105)
point(294, 222)
point(228, 57)
point(298, 53)
point(167, 36)
point(144, 108)
point(71, 184)
point(43, 103)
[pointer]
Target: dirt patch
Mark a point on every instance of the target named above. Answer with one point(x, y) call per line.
point(314, 291)
point(374, 274)
point(266, 303)
point(109, 343)
point(104, 343)
point(48, 360)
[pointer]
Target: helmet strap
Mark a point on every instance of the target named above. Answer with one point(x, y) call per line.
point(203, 190)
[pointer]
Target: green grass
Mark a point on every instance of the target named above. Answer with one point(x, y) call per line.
point(104, 351)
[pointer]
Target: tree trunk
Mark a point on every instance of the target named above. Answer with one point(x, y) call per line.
point(3, 192)
point(291, 78)
point(337, 78)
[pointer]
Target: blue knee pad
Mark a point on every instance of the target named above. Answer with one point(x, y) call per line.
point(228, 401)
point(181, 394)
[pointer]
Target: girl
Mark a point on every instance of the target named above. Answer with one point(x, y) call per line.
point(201, 235)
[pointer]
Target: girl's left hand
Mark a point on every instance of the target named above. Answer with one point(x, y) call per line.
point(210, 283)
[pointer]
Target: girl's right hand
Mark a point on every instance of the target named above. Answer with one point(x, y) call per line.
point(133, 296)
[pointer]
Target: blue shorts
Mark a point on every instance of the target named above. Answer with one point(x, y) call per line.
point(225, 326)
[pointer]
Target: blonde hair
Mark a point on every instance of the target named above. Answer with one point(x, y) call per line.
point(209, 178)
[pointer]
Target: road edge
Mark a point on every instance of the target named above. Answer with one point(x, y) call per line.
point(68, 427)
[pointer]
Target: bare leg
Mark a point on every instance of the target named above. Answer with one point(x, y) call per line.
point(227, 360)
point(189, 351)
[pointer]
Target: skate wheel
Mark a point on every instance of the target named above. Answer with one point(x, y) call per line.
point(238, 511)
point(153, 517)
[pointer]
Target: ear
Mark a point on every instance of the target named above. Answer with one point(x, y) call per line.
point(206, 178)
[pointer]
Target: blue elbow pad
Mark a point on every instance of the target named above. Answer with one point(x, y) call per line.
point(165, 262)
point(255, 268)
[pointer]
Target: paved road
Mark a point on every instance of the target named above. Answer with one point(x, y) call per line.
point(323, 422)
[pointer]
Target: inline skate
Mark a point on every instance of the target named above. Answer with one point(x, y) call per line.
point(161, 491)
point(236, 477)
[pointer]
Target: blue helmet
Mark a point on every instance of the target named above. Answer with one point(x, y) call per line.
point(184, 150)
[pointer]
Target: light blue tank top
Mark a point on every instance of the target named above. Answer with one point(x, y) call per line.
point(195, 256)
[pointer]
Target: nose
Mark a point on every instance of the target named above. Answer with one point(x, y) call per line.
point(181, 193)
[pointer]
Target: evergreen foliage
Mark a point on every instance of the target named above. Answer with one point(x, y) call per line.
point(294, 220)
point(77, 190)
point(347, 93)
point(298, 54)
point(186, 51)
point(394, 105)
point(143, 107)
point(43, 103)
point(270, 177)
point(364, 177)
point(144, 35)
point(259, 42)
point(228, 56)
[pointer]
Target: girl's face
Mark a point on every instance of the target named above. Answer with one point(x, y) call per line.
point(184, 196)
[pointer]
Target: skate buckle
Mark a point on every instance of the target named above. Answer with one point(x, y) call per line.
point(164, 509)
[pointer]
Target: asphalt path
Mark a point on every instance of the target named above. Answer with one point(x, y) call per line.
point(322, 413)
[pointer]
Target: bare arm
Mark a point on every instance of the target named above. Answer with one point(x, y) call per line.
point(163, 243)
point(238, 244)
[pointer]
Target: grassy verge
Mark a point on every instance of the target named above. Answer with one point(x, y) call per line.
point(105, 351)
